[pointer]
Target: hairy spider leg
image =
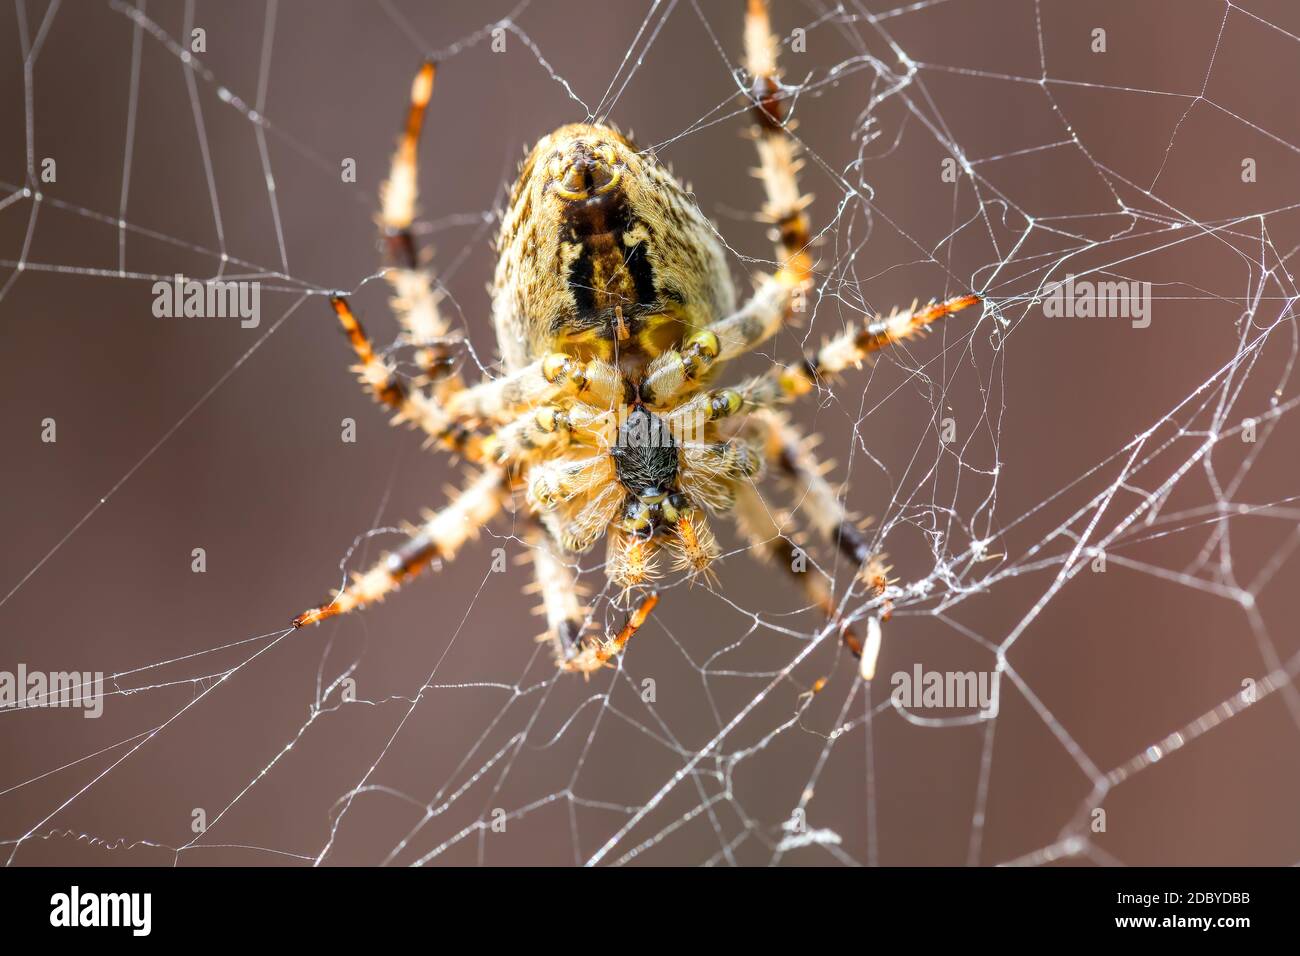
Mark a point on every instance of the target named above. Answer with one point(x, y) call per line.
point(415, 299)
point(776, 298)
point(439, 538)
point(778, 151)
point(410, 405)
point(556, 580)
point(854, 346)
point(596, 656)
point(765, 536)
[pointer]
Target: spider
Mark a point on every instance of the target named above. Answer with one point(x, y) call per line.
point(614, 312)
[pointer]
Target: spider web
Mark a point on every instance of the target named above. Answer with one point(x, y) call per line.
point(1099, 516)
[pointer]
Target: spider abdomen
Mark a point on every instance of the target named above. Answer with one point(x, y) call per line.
point(602, 253)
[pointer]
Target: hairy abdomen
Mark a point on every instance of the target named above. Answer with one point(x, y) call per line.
point(602, 253)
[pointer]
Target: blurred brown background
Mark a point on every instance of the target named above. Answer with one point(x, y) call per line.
point(255, 472)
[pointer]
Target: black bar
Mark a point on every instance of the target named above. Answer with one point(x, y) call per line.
point(1049, 905)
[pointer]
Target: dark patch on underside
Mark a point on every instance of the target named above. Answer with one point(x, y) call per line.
point(598, 225)
point(645, 455)
point(603, 320)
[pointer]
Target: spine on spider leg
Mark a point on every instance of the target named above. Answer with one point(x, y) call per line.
point(596, 382)
point(825, 510)
point(554, 580)
point(756, 522)
point(820, 501)
point(409, 407)
point(439, 538)
point(551, 427)
point(852, 346)
point(710, 471)
point(694, 547)
point(631, 559)
point(373, 371)
point(900, 325)
point(779, 162)
point(415, 300)
point(594, 657)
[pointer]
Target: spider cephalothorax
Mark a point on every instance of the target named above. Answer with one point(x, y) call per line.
point(614, 312)
point(645, 462)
